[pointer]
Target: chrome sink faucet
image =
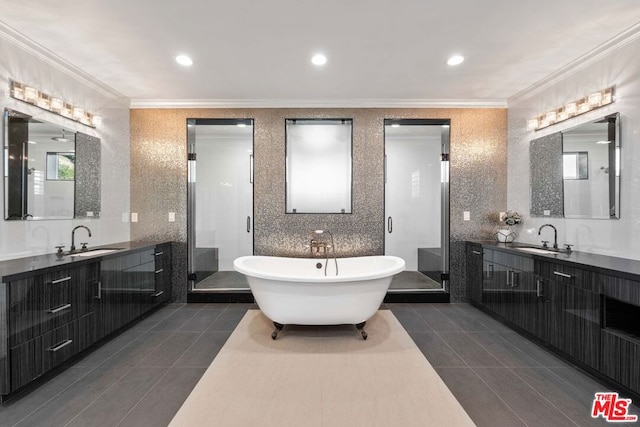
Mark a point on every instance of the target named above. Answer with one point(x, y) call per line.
point(555, 236)
point(73, 237)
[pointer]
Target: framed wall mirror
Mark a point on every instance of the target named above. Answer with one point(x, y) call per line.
point(318, 165)
point(576, 173)
point(50, 171)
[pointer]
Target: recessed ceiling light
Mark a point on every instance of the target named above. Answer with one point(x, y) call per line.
point(455, 60)
point(319, 59)
point(184, 60)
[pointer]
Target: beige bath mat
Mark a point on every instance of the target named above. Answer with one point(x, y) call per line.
point(320, 376)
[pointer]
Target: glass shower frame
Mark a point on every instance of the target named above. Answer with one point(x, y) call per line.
point(193, 271)
point(445, 126)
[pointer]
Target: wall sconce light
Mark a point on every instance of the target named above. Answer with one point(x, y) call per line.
point(584, 105)
point(33, 96)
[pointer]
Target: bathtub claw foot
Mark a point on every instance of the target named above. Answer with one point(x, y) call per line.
point(278, 327)
point(360, 327)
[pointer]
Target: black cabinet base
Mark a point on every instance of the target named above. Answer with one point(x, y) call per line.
point(418, 297)
point(220, 297)
point(247, 297)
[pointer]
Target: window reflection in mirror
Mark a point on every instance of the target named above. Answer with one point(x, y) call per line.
point(318, 165)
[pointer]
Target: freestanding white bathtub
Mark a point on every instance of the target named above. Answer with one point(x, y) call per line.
point(296, 290)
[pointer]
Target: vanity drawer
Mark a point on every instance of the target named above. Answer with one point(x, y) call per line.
point(514, 261)
point(567, 275)
point(31, 359)
point(44, 302)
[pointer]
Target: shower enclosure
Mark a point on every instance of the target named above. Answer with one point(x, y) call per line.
point(220, 202)
point(417, 202)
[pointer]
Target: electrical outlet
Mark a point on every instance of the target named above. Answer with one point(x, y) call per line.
point(134, 217)
point(546, 212)
point(466, 215)
point(172, 216)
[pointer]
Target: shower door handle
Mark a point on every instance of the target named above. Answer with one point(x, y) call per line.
point(390, 225)
point(248, 224)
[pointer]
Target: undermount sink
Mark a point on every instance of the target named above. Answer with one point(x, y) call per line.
point(96, 252)
point(537, 250)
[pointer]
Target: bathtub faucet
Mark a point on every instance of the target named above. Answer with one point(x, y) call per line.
point(322, 248)
point(318, 248)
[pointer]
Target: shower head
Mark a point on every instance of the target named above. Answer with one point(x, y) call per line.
point(62, 138)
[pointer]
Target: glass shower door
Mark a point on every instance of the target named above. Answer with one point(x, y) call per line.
point(417, 202)
point(220, 201)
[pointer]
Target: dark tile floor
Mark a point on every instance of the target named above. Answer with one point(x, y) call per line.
point(142, 376)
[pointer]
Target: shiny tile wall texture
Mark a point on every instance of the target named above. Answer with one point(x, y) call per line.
point(159, 180)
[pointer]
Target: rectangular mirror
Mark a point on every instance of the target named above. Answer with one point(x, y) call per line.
point(576, 173)
point(318, 165)
point(50, 172)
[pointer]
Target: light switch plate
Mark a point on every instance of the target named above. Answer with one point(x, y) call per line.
point(467, 215)
point(546, 212)
point(134, 217)
point(172, 216)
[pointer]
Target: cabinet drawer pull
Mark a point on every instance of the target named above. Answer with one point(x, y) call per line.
point(490, 271)
point(60, 346)
point(159, 253)
point(557, 273)
point(99, 296)
point(515, 279)
point(59, 309)
point(64, 279)
point(159, 271)
point(158, 294)
point(476, 252)
point(539, 288)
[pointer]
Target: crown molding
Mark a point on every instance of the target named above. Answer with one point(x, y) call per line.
point(45, 55)
point(310, 103)
point(605, 49)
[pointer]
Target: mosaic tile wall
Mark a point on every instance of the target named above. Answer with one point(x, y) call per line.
point(159, 181)
point(88, 170)
point(547, 189)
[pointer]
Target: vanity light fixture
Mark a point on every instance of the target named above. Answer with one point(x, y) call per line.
point(33, 96)
point(588, 103)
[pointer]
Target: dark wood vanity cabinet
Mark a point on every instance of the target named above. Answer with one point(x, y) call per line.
point(52, 313)
point(163, 273)
point(474, 272)
point(620, 333)
point(50, 318)
point(587, 313)
point(569, 310)
point(508, 287)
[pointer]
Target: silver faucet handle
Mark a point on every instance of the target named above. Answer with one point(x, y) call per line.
point(60, 249)
point(84, 246)
point(568, 247)
point(545, 243)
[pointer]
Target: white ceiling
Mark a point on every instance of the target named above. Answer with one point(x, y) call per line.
point(379, 52)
